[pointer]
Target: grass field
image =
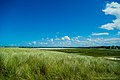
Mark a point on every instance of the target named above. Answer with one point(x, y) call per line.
point(92, 52)
point(37, 64)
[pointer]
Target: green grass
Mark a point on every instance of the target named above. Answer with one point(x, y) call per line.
point(92, 52)
point(32, 64)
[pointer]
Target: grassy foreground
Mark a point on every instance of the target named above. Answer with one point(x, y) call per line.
point(32, 64)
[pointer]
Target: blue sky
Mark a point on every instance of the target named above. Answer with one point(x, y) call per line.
point(59, 22)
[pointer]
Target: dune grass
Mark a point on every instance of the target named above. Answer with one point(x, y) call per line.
point(32, 64)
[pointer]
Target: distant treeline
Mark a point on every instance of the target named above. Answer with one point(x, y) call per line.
point(105, 47)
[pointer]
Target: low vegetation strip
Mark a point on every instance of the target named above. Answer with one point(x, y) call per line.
point(35, 64)
point(99, 52)
point(112, 58)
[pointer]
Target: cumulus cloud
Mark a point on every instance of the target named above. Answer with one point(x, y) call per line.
point(77, 41)
point(65, 38)
point(112, 9)
point(34, 42)
point(51, 39)
point(100, 34)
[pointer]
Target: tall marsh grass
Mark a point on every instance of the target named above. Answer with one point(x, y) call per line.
point(32, 64)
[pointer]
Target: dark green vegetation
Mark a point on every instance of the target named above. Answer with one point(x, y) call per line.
point(92, 52)
point(35, 64)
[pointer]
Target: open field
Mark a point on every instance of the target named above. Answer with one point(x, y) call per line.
point(110, 54)
point(58, 64)
point(91, 52)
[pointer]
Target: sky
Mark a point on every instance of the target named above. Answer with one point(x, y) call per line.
point(70, 23)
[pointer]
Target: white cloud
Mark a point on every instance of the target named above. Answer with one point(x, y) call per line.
point(108, 26)
point(89, 39)
point(66, 43)
point(29, 43)
point(103, 41)
point(77, 41)
point(112, 9)
point(77, 37)
point(57, 38)
point(100, 34)
point(112, 39)
point(34, 42)
point(65, 38)
point(118, 33)
point(51, 40)
point(42, 43)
